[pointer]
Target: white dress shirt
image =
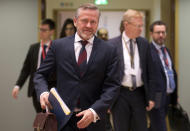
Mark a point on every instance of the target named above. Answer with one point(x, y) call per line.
point(128, 70)
point(78, 46)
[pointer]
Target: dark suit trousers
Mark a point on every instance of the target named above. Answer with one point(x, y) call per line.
point(129, 111)
point(36, 103)
point(158, 116)
point(72, 124)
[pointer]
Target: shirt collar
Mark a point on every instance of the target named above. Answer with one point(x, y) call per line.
point(47, 43)
point(157, 45)
point(126, 38)
point(78, 38)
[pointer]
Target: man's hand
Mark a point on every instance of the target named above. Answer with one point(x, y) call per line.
point(15, 93)
point(44, 101)
point(150, 106)
point(87, 118)
point(109, 111)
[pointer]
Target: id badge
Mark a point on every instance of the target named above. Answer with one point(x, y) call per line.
point(170, 73)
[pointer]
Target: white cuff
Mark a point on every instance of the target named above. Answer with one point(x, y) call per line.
point(44, 93)
point(96, 117)
point(17, 87)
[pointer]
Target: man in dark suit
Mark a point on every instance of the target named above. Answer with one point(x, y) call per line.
point(35, 55)
point(165, 92)
point(129, 110)
point(87, 76)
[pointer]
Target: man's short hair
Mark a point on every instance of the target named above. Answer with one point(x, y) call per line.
point(49, 22)
point(158, 22)
point(87, 6)
point(130, 13)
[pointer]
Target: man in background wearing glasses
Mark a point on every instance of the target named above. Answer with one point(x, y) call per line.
point(35, 56)
point(129, 110)
point(165, 92)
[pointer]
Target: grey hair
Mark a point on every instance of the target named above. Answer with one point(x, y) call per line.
point(87, 6)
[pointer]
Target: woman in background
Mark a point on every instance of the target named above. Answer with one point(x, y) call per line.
point(68, 28)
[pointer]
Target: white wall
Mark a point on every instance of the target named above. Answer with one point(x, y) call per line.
point(184, 55)
point(18, 29)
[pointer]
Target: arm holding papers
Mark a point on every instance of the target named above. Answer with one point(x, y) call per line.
point(57, 103)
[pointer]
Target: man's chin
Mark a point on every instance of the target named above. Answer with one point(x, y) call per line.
point(87, 36)
point(160, 43)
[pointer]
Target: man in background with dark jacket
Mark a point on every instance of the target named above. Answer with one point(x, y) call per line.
point(165, 92)
point(34, 58)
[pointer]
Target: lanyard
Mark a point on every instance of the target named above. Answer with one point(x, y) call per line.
point(132, 58)
point(43, 51)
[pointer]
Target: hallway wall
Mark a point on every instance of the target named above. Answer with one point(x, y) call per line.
point(18, 29)
point(184, 55)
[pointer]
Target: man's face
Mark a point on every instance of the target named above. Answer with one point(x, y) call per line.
point(159, 34)
point(87, 23)
point(45, 32)
point(134, 27)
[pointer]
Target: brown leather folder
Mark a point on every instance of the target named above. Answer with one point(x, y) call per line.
point(45, 122)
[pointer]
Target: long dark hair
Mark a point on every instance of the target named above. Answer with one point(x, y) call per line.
point(67, 21)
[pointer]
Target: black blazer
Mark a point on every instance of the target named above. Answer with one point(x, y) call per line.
point(29, 68)
point(99, 84)
point(145, 62)
point(161, 82)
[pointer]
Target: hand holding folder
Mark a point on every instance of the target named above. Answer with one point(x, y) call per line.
point(59, 108)
point(57, 102)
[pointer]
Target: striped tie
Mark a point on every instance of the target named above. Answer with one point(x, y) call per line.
point(133, 77)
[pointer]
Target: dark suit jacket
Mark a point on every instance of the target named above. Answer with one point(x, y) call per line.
point(145, 62)
point(99, 84)
point(161, 82)
point(30, 67)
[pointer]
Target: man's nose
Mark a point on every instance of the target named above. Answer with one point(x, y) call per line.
point(88, 24)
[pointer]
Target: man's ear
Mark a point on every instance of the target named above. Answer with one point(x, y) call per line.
point(151, 33)
point(75, 21)
point(125, 23)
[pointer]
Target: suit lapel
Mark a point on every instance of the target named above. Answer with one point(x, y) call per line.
point(71, 50)
point(93, 54)
point(156, 56)
point(36, 53)
point(140, 50)
point(120, 50)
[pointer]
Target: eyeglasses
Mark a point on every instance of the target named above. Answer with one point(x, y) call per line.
point(43, 30)
point(135, 25)
point(160, 32)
